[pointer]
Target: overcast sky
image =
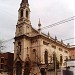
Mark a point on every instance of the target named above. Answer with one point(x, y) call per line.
point(49, 12)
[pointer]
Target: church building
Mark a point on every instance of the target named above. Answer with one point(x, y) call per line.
point(34, 50)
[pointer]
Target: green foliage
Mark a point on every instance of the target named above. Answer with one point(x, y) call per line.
point(55, 60)
point(1, 46)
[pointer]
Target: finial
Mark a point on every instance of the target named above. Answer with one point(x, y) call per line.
point(39, 24)
point(68, 44)
point(48, 34)
point(61, 41)
point(55, 38)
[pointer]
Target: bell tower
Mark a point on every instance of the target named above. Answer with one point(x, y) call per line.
point(24, 12)
point(23, 24)
point(22, 42)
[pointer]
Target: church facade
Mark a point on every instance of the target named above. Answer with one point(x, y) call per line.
point(34, 49)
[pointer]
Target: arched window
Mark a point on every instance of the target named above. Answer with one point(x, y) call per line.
point(43, 72)
point(27, 64)
point(34, 55)
point(34, 50)
point(18, 68)
point(21, 13)
point(26, 14)
point(61, 59)
point(55, 61)
point(66, 58)
point(46, 57)
point(27, 68)
point(70, 57)
point(19, 48)
point(19, 45)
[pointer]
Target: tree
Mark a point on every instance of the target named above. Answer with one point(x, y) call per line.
point(55, 60)
point(1, 46)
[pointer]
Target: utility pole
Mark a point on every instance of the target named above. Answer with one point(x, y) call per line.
point(55, 63)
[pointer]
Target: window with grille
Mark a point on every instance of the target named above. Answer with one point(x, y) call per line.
point(2, 59)
point(2, 66)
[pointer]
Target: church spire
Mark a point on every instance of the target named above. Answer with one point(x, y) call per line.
point(24, 2)
point(24, 12)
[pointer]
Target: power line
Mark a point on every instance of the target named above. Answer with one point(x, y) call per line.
point(32, 47)
point(60, 22)
point(7, 40)
point(68, 39)
point(37, 46)
point(52, 25)
point(71, 43)
point(13, 39)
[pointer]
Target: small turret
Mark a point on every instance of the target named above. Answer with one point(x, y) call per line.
point(39, 26)
point(68, 45)
point(48, 34)
point(61, 41)
point(55, 38)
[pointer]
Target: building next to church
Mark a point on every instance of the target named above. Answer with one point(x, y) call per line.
point(72, 52)
point(34, 50)
point(6, 63)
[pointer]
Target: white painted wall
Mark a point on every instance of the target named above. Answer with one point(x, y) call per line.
point(70, 63)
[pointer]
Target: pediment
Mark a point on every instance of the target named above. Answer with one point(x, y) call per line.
point(18, 59)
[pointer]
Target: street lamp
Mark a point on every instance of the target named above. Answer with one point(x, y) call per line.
point(54, 55)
